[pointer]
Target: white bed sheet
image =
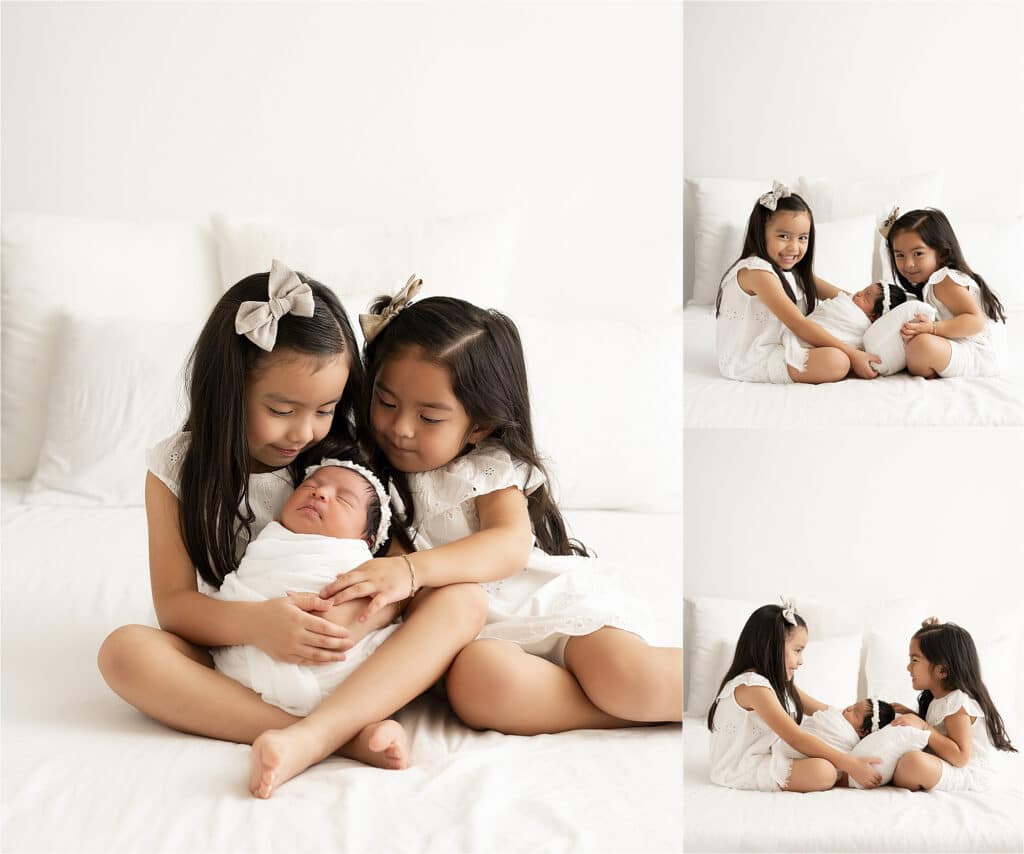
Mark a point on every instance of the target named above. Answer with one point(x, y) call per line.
point(712, 401)
point(83, 771)
point(883, 819)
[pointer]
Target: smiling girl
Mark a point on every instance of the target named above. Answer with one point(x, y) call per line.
point(773, 287)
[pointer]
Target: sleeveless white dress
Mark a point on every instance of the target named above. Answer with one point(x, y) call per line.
point(550, 600)
point(742, 755)
point(978, 774)
point(748, 337)
point(978, 355)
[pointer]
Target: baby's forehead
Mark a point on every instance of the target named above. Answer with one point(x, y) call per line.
point(340, 476)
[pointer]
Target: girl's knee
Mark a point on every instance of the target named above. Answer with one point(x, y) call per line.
point(468, 602)
point(817, 775)
point(121, 652)
point(835, 364)
point(478, 684)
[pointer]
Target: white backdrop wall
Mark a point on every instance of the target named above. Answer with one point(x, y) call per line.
point(329, 113)
point(858, 90)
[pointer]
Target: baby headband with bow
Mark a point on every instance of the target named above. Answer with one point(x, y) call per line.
point(886, 226)
point(886, 297)
point(788, 611)
point(874, 714)
point(373, 324)
point(778, 191)
point(378, 487)
point(287, 293)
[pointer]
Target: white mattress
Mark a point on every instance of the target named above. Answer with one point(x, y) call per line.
point(883, 819)
point(711, 401)
point(83, 771)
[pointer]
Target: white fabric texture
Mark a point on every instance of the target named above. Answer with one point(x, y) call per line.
point(741, 743)
point(714, 402)
point(838, 316)
point(553, 596)
point(116, 389)
point(88, 268)
point(883, 336)
point(749, 337)
point(885, 819)
point(889, 744)
point(277, 561)
point(977, 774)
point(977, 355)
point(827, 724)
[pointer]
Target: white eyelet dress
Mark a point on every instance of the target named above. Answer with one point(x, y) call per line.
point(554, 597)
point(748, 336)
point(978, 774)
point(267, 491)
point(741, 743)
point(977, 355)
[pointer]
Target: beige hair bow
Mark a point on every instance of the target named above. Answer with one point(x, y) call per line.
point(886, 226)
point(778, 191)
point(287, 293)
point(373, 324)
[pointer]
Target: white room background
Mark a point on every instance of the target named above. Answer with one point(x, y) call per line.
point(328, 113)
point(858, 90)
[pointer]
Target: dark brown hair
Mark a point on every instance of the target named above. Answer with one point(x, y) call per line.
point(951, 647)
point(761, 647)
point(483, 354)
point(215, 508)
point(936, 232)
point(754, 243)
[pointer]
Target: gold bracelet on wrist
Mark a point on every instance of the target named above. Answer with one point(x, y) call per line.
point(412, 575)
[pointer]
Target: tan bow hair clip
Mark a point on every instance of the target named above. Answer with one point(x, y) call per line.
point(886, 226)
point(373, 324)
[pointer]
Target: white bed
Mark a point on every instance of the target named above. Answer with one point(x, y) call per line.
point(83, 771)
point(884, 819)
point(712, 401)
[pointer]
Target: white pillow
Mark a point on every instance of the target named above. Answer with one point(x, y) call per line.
point(466, 257)
point(89, 268)
point(889, 744)
point(833, 199)
point(842, 251)
point(991, 249)
point(722, 208)
point(883, 336)
point(598, 387)
point(116, 390)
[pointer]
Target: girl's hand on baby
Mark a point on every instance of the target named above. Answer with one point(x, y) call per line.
point(861, 769)
point(861, 364)
point(384, 580)
point(910, 719)
point(919, 325)
point(289, 632)
point(900, 709)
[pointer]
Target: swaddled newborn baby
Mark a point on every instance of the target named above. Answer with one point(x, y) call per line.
point(846, 317)
point(842, 729)
point(328, 525)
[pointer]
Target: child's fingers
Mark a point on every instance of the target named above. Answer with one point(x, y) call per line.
point(308, 601)
point(378, 602)
point(330, 643)
point(345, 579)
point(356, 591)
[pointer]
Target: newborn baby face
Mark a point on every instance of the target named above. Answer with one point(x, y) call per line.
point(855, 715)
point(866, 298)
point(332, 501)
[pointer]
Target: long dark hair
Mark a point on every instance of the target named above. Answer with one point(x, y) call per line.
point(949, 646)
point(754, 243)
point(215, 508)
point(483, 354)
point(936, 232)
point(761, 647)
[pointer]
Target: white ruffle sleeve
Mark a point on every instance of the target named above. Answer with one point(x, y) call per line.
point(952, 703)
point(165, 459)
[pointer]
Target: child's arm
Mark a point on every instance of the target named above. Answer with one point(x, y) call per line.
point(968, 318)
point(810, 704)
point(499, 549)
point(956, 748)
point(280, 627)
point(767, 286)
point(766, 704)
point(826, 290)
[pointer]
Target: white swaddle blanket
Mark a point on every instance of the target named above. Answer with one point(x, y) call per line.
point(838, 316)
point(277, 561)
point(827, 724)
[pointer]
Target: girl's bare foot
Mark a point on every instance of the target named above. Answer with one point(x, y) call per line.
point(280, 754)
point(382, 744)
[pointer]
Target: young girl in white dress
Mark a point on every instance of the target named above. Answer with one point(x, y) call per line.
point(449, 410)
point(967, 338)
point(955, 707)
point(759, 705)
point(773, 287)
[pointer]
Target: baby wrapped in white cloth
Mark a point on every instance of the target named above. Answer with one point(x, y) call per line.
point(845, 316)
point(838, 728)
point(327, 526)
